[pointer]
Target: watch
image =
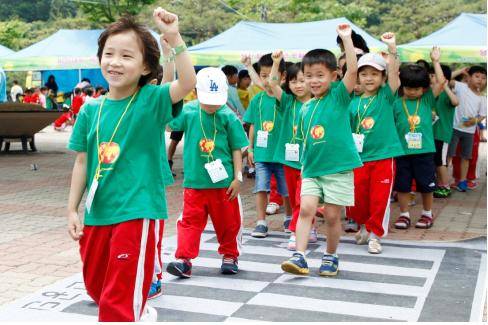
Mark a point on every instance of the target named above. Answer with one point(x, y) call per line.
point(239, 176)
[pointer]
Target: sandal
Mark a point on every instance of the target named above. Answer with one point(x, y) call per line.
point(402, 222)
point(424, 222)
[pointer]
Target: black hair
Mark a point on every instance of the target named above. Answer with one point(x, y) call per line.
point(424, 64)
point(288, 64)
point(85, 79)
point(267, 61)
point(320, 56)
point(98, 88)
point(159, 74)
point(43, 88)
point(291, 74)
point(77, 91)
point(357, 40)
point(229, 70)
point(446, 70)
point(475, 69)
point(256, 67)
point(88, 91)
point(16, 82)
point(243, 74)
point(414, 76)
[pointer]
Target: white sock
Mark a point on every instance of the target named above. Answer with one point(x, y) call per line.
point(301, 253)
point(427, 213)
point(262, 222)
point(373, 236)
point(335, 254)
point(405, 214)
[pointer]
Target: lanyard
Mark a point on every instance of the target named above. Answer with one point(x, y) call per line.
point(409, 117)
point(310, 122)
point(99, 169)
point(360, 118)
point(205, 135)
point(260, 117)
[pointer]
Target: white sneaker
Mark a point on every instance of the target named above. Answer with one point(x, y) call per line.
point(272, 208)
point(292, 243)
point(374, 246)
point(312, 237)
point(149, 315)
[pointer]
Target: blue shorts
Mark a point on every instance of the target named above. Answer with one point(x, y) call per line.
point(264, 171)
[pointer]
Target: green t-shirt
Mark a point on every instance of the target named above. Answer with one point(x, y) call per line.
point(373, 117)
point(445, 111)
point(289, 110)
point(326, 129)
point(203, 144)
point(422, 121)
point(263, 113)
point(131, 185)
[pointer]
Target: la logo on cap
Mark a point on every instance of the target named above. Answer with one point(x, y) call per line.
point(213, 86)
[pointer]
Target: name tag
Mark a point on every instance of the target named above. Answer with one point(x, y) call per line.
point(91, 194)
point(262, 140)
point(414, 140)
point(358, 141)
point(216, 171)
point(292, 152)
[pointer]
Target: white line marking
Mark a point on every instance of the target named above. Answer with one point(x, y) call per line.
point(217, 282)
point(196, 305)
point(479, 293)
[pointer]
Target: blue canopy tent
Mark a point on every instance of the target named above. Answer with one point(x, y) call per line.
point(69, 55)
point(461, 40)
point(256, 39)
point(4, 51)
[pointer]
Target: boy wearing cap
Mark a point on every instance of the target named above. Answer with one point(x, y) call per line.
point(377, 142)
point(212, 163)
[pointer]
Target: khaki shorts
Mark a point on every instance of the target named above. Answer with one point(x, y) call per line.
point(335, 189)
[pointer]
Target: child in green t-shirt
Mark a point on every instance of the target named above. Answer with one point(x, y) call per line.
point(214, 138)
point(265, 125)
point(119, 141)
point(329, 154)
point(413, 119)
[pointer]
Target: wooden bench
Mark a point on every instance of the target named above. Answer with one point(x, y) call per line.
point(20, 122)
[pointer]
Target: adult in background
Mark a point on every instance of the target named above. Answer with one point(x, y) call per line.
point(52, 85)
point(15, 91)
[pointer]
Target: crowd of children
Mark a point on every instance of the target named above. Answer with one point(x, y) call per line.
point(330, 136)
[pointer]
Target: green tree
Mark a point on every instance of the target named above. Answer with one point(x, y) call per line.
point(108, 11)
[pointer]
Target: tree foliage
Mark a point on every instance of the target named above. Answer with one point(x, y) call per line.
point(107, 11)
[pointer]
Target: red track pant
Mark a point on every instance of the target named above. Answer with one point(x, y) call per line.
point(274, 196)
point(456, 161)
point(373, 183)
point(158, 261)
point(118, 266)
point(226, 218)
point(293, 178)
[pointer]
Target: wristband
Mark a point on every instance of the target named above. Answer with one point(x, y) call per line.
point(251, 150)
point(179, 49)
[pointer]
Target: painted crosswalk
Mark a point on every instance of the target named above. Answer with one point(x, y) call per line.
point(408, 282)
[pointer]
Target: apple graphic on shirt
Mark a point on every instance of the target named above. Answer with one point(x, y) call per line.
point(317, 132)
point(109, 152)
point(207, 145)
point(268, 126)
point(367, 123)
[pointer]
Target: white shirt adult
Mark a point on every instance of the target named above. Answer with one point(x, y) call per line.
point(15, 91)
point(470, 105)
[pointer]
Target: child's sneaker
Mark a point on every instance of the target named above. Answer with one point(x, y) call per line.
point(351, 226)
point(261, 231)
point(295, 265)
point(180, 268)
point(229, 265)
point(155, 290)
point(442, 193)
point(312, 237)
point(286, 225)
point(272, 208)
point(292, 243)
point(374, 246)
point(472, 185)
point(462, 186)
point(403, 222)
point(149, 314)
point(329, 266)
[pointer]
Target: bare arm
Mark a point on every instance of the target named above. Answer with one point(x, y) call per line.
point(349, 79)
point(235, 186)
point(168, 66)
point(78, 185)
point(250, 149)
point(394, 62)
point(168, 25)
point(246, 60)
point(275, 79)
point(452, 96)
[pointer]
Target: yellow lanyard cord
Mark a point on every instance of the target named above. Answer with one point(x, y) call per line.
point(411, 121)
point(205, 135)
point(360, 118)
point(260, 117)
point(305, 137)
point(99, 169)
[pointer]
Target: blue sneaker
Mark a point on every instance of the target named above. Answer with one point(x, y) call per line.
point(180, 268)
point(330, 265)
point(155, 290)
point(462, 186)
point(295, 265)
point(229, 265)
point(286, 225)
point(260, 231)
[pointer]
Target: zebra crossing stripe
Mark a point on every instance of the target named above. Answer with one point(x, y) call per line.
point(197, 305)
point(217, 282)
